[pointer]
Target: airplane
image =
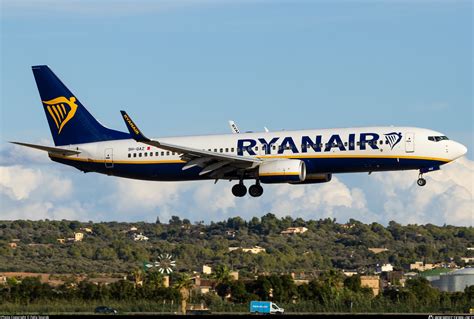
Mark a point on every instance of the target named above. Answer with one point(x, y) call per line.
point(295, 157)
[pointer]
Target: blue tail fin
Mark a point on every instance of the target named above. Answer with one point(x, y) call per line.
point(68, 119)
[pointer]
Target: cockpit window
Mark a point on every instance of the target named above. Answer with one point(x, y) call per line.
point(437, 138)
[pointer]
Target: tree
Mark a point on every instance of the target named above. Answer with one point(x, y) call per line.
point(175, 221)
point(221, 274)
point(353, 283)
point(421, 288)
point(183, 284)
point(122, 290)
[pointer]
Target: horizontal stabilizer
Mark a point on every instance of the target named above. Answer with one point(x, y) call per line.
point(49, 149)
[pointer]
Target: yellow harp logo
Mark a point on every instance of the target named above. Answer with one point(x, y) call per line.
point(61, 110)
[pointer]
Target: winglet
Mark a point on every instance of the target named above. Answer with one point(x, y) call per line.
point(133, 129)
point(233, 127)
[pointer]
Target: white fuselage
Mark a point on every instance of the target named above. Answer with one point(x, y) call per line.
point(362, 149)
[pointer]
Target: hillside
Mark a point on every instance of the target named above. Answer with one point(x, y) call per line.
point(111, 246)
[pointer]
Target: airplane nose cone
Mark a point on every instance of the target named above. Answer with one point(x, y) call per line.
point(459, 150)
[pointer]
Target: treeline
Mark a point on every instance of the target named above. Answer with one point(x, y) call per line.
point(326, 245)
point(330, 292)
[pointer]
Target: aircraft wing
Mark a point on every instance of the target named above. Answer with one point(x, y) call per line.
point(213, 163)
point(50, 149)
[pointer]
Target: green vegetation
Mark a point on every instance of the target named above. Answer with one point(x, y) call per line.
point(326, 245)
point(329, 293)
point(320, 253)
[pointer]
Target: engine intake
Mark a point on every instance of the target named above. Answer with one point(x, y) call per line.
point(282, 171)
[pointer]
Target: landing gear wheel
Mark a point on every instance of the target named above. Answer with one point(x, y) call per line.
point(239, 190)
point(421, 181)
point(256, 190)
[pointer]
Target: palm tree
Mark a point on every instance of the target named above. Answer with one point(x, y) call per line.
point(183, 284)
point(222, 277)
point(221, 274)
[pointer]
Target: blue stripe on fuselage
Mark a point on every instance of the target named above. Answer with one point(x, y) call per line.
point(174, 172)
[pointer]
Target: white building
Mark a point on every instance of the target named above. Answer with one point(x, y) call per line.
point(140, 237)
point(294, 230)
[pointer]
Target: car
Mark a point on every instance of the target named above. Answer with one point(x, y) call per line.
point(105, 309)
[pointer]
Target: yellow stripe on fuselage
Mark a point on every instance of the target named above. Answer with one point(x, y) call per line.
point(355, 156)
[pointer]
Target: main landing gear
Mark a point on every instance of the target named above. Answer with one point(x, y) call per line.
point(239, 190)
point(256, 190)
point(421, 181)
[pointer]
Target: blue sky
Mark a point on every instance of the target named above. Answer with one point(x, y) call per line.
point(186, 67)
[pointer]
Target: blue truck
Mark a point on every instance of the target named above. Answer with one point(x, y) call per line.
point(266, 307)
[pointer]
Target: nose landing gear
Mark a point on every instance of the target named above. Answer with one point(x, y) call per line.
point(421, 181)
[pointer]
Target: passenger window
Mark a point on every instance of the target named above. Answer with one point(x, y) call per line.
point(221, 150)
point(134, 154)
point(162, 153)
point(381, 142)
point(172, 153)
point(215, 150)
point(226, 150)
point(129, 155)
point(156, 153)
point(232, 150)
point(345, 143)
point(146, 154)
point(256, 148)
point(358, 143)
point(209, 150)
point(167, 153)
point(151, 153)
point(139, 154)
point(274, 147)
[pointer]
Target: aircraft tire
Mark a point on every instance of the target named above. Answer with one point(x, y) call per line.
point(421, 182)
point(256, 190)
point(239, 190)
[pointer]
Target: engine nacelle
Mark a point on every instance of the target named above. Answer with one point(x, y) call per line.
point(315, 179)
point(282, 171)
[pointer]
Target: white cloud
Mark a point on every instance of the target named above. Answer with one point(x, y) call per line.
point(447, 197)
point(18, 183)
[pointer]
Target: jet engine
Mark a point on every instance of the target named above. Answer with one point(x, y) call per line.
point(282, 171)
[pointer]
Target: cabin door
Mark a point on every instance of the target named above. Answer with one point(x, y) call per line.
point(109, 157)
point(409, 142)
